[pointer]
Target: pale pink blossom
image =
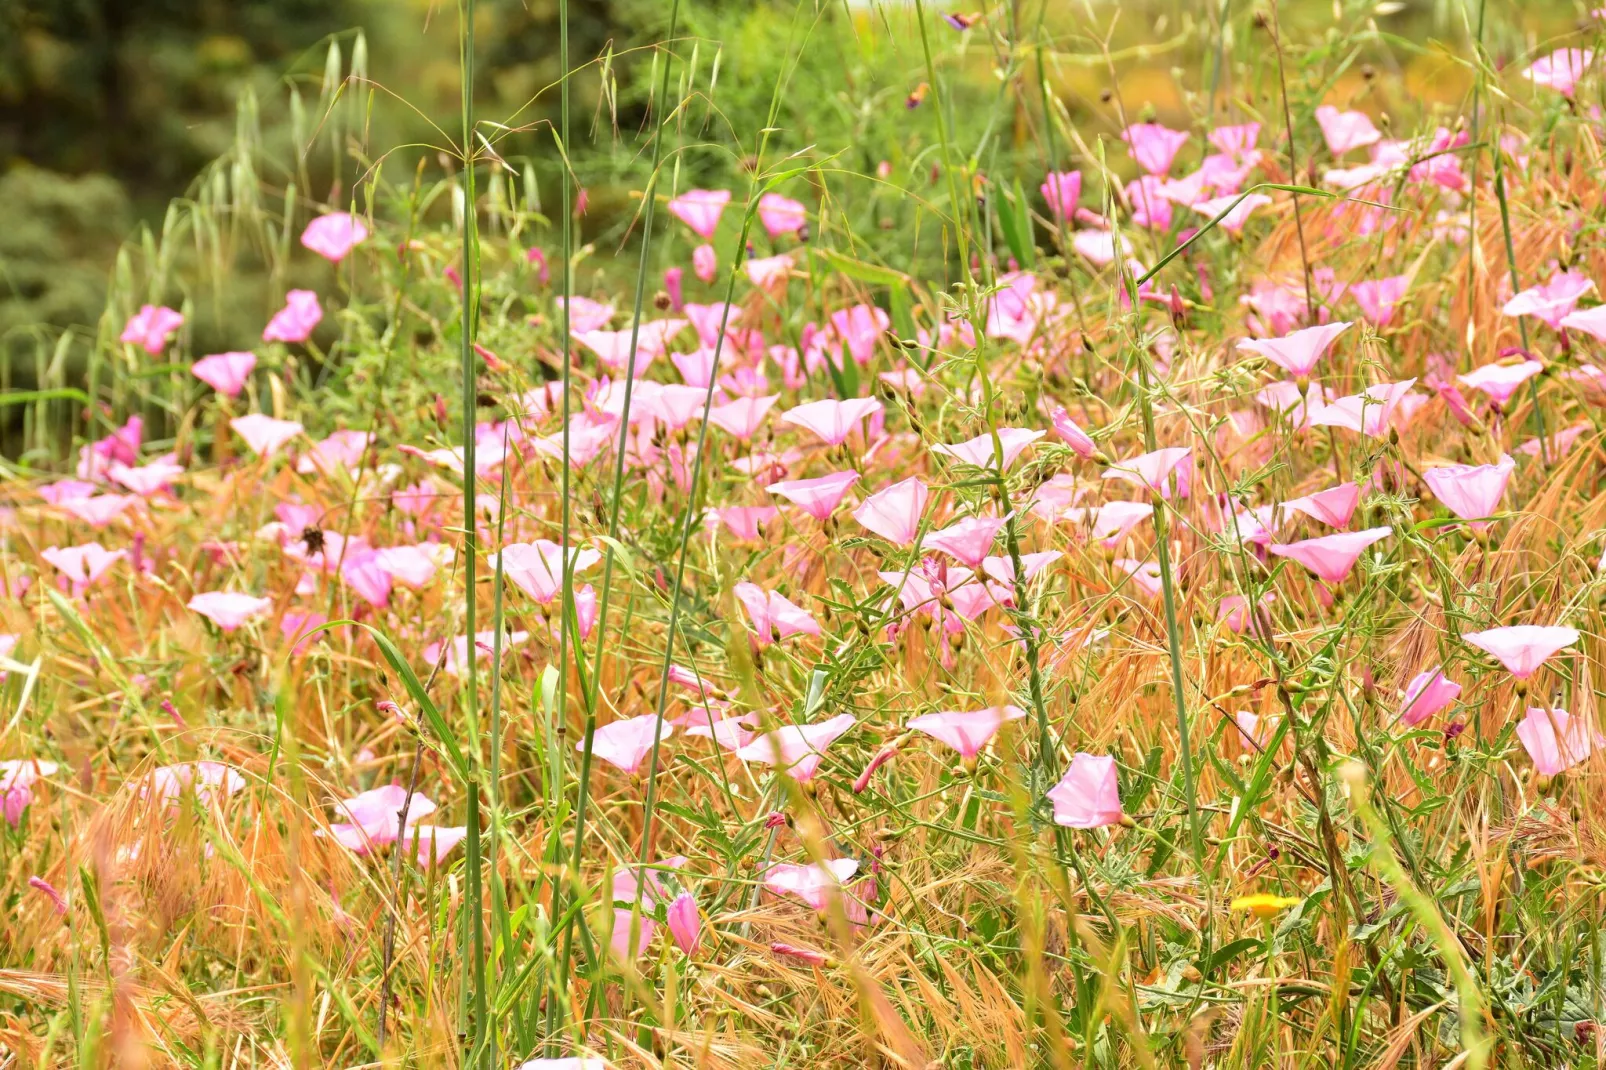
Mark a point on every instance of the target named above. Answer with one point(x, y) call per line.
point(774, 617)
point(334, 235)
point(1428, 693)
point(1500, 381)
point(967, 540)
point(1379, 298)
point(1370, 412)
point(966, 732)
point(585, 314)
point(700, 210)
point(1522, 648)
point(1153, 146)
point(1088, 796)
point(1331, 557)
point(769, 272)
point(151, 327)
point(1061, 190)
point(626, 744)
point(229, 609)
point(833, 421)
point(1470, 491)
point(1556, 740)
point(264, 434)
point(1561, 70)
point(982, 452)
point(742, 418)
point(797, 749)
point(537, 568)
point(781, 215)
point(1333, 506)
point(225, 372)
point(1237, 208)
point(435, 842)
point(372, 817)
point(816, 884)
point(894, 512)
point(296, 320)
point(685, 923)
point(819, 496)
point(704, 262)
point(83, 565)
point(1346, 130)
point(1073, 436)
point(1154, 470)
point(1553, 301)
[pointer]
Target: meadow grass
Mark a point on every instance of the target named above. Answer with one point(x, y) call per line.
point(1193, 665)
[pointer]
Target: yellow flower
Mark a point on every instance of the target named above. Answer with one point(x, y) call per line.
point(1263, 906)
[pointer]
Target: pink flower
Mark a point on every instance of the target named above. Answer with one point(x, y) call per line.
point(769, 272)
point(700, 210)
point(1553, 301)
point(101, 510)
point(743, 521)
point(151, 327)
point(1500, 381)
point(225, 372)
point(265, 435)
point(1369, 412)
point(894, 512)
point(1346, 130)
point(1153, 471)
point(1427, 694)
point(1238, 208)
point(365, 573)
point(484, 645)
point(704, 262)
point(17, 778)
point(673, 286)
point(1379, 298)
point(1112, 521)
point(1331, 557)
point(1333, 506)
point(1522, 648)
point(707, 320)
point(1234, 611)
point(147, 479)
point(743, 417)
point(818, 497)
point(1073, 435)
point(585, 314)
point(781, 215)
point(1470, 491)
point(969, 732)
point(295, 321)
point(860, 327)
point(229, 609)
point(816, 885)
point(373, 817)
point(435, 842)
point(803, 954)
point(797, 749)
point(1235, 140)
point(1061, 191)
point(1298, 352)
point(1149, 207)
point(981, 452)
point(1591, 321)
point(334, 235)
point(83, 565)
point(1146, 574)
point(774, 617)
point(1088, 796)
point(626, 744)
point(1557, 741)
point(537, 256)
point(685, 923)
point(1561, 70)
point(57, 901)
point(1098, 246)
point(1153, 146)
point(537, 568)
point(833, 421)
point(968, 540)
point(342, 449)
point(211, 781)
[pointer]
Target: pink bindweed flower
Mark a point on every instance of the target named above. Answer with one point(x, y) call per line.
point(1297, 353)
point(1556, 740)
point(1154, 470)
point(819, 496)
point(981, 452)
point(456, 655)
point(1561, 70)
point(334, 235)
point(373, 816)
point(1145, 574)
point(1471, 491)
point(1522, 648)
point(1552, 302)
point(700, 210)
point(802, 954)
point(364, 572)
point(58, 902)
point(435, 842)
point(265, 435)
point(743, 521)
point(1098, 246)
point(894, 512)
point(1333, 506)
point(537, 568)
point(296, 320)
point(685, 923)
point(210, 781)
point(1371, 412)
point(101, 509)
point(225, 372)
point(1591, 321)
point(861, 327)
point(742, 418)
point(1500, 381)
point(674, 287)
point(1153, 146)
point(1346, 130)
point(781, 215)
point(1331, 557)
point(151, 327)
point(1061, 190)
point(1088, 796)
point(1112, 522)
point(967, 540)
point(1234, 612)
point(626, 744)
point(1379, 298)
point(966, 732)
point(229, 609)
point(1149, 207)
point(585, 314)
point(83, 565)
point(816, 884)
point(1428, 693)
point(774, 617)
point(1235, 140)
point(704, 262)
point(797, 749)
point(17, 778)
point(833, 421)
point(341, 450)
point(769, 272)
point(1074, 436)
point(1237, 208)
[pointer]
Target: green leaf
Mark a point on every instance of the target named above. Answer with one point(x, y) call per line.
point(1016, 223)
point(1225, 955)
point(873, 274)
